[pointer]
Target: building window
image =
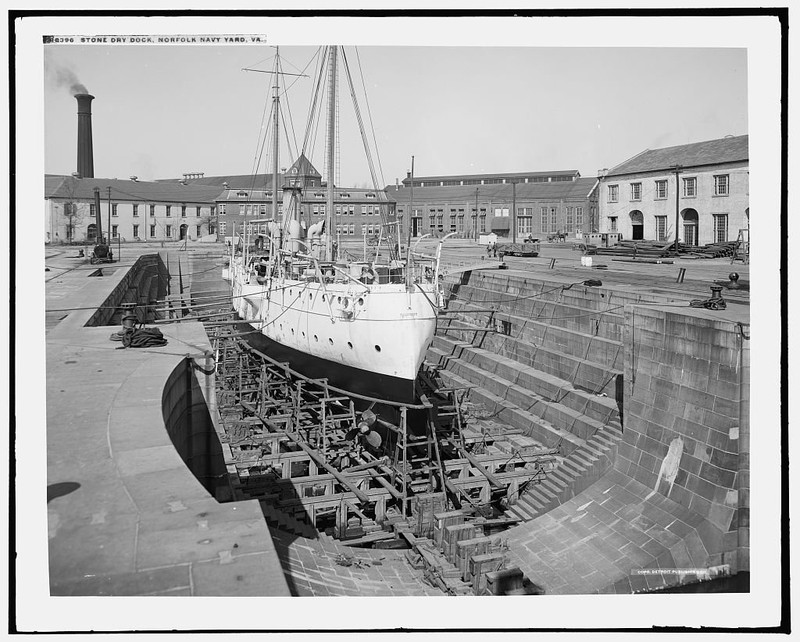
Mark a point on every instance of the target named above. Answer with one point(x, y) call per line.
point(612, 223)
point(114, 231)
point(482, 224)
point(579, 218)
point(183, 211)
point(241, 209)
point(553, 219)
point(570, 222)
point(720, 228)
point(440, 223)
point(613, 193)
point(197, 211)
point(199, 231)
point(222, 209)
point(152, 231)
point(453, 223)
point(363, 210)
point(152, 210)
point(91, 210)
point(525, 224)
point(460, 224)
point(661, 189)
point(721, 185)
point(223, 226)
point(168, 210)
point(661, 228)
point(501, 211)
point(136, 210)
point(636, 191)
point(168, 232)
point(689, 187)
point(545, 226)
point(113, 209)
point(136, 231)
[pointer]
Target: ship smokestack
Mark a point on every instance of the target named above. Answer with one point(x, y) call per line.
point(85, 153)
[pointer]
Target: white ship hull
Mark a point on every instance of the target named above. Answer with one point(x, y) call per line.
point(368, 339)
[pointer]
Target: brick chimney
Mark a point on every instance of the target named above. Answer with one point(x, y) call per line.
point(85, 153)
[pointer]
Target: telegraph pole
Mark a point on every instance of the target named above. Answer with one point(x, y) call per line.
point(475, 224)
point(109, 216)
point(514, 211)
point(677, 169)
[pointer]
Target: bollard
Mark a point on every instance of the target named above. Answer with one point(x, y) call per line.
point(681, 274)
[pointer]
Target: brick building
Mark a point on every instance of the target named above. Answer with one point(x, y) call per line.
point(639, 199)
point(474, 204)
point(140, 210)
point(246, 197)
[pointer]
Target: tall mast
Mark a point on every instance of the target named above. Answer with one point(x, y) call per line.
point(275, 134)
point(331, 153)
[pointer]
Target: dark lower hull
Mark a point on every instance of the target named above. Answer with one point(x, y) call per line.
point(355, 380)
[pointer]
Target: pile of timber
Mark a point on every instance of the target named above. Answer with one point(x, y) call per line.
point(661, 249)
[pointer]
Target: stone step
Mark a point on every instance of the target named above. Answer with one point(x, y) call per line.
point(572, 313)
point(512, 415)
point(544, 385)
point(553, 412)
point(582, 359)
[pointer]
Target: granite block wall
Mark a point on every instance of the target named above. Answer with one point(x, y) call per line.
point(686, 433)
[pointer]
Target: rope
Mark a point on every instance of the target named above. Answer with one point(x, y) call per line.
point(140, 338)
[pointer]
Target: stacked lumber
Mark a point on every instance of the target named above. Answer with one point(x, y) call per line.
point(660, 249)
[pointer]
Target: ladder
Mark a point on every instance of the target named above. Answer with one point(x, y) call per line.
point(741, 251)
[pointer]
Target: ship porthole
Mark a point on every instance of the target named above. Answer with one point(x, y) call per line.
point(292, 330)
point(304, 334)
point(377, 348)
point(349, 345)
point(338, 299)
point(323, 298)
point(309, 295)
point(361, 301)
point(316, 338)
point(330, 340)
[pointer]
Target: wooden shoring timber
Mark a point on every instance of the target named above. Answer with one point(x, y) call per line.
point(361, 495)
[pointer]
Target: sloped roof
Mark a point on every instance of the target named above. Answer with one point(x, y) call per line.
point(577, 189)
point(303, 167)
point(234, 181)
point(710, 152)
point(464, 177)
point(69, 187)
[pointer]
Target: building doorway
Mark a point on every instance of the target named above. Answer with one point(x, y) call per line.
point(690, 224)
point(183, 231)
point(416, 223)
point(637, 225)
point(91, 233)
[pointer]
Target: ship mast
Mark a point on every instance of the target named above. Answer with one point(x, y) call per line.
point(331, 154)
point(275, 134)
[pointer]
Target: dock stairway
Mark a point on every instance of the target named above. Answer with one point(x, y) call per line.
point(559, 382)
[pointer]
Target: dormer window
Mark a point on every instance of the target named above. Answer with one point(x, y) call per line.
point(370, 195)
point(343, 195)
point(241, 194)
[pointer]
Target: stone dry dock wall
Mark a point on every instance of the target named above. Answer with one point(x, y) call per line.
point(144, 283)
point(687, 420)
point(671, 489)
point(190, 427)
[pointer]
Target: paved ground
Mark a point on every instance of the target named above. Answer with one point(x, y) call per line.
point(125, 515)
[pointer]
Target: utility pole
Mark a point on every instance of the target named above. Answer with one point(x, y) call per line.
point(677, 204)
point(411, 205)
point(475, 224)
point(513, 211)
point(109, 216)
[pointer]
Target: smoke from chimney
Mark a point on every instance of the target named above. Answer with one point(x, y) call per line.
point(85, 151)
point(65, 77)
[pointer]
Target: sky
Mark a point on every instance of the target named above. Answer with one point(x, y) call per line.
point(161, 111)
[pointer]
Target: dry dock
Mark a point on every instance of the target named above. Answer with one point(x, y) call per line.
point(645, 396)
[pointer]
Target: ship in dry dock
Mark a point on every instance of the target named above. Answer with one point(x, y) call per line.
point(364, 325)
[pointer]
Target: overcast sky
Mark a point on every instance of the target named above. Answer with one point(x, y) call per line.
point(161, 111)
